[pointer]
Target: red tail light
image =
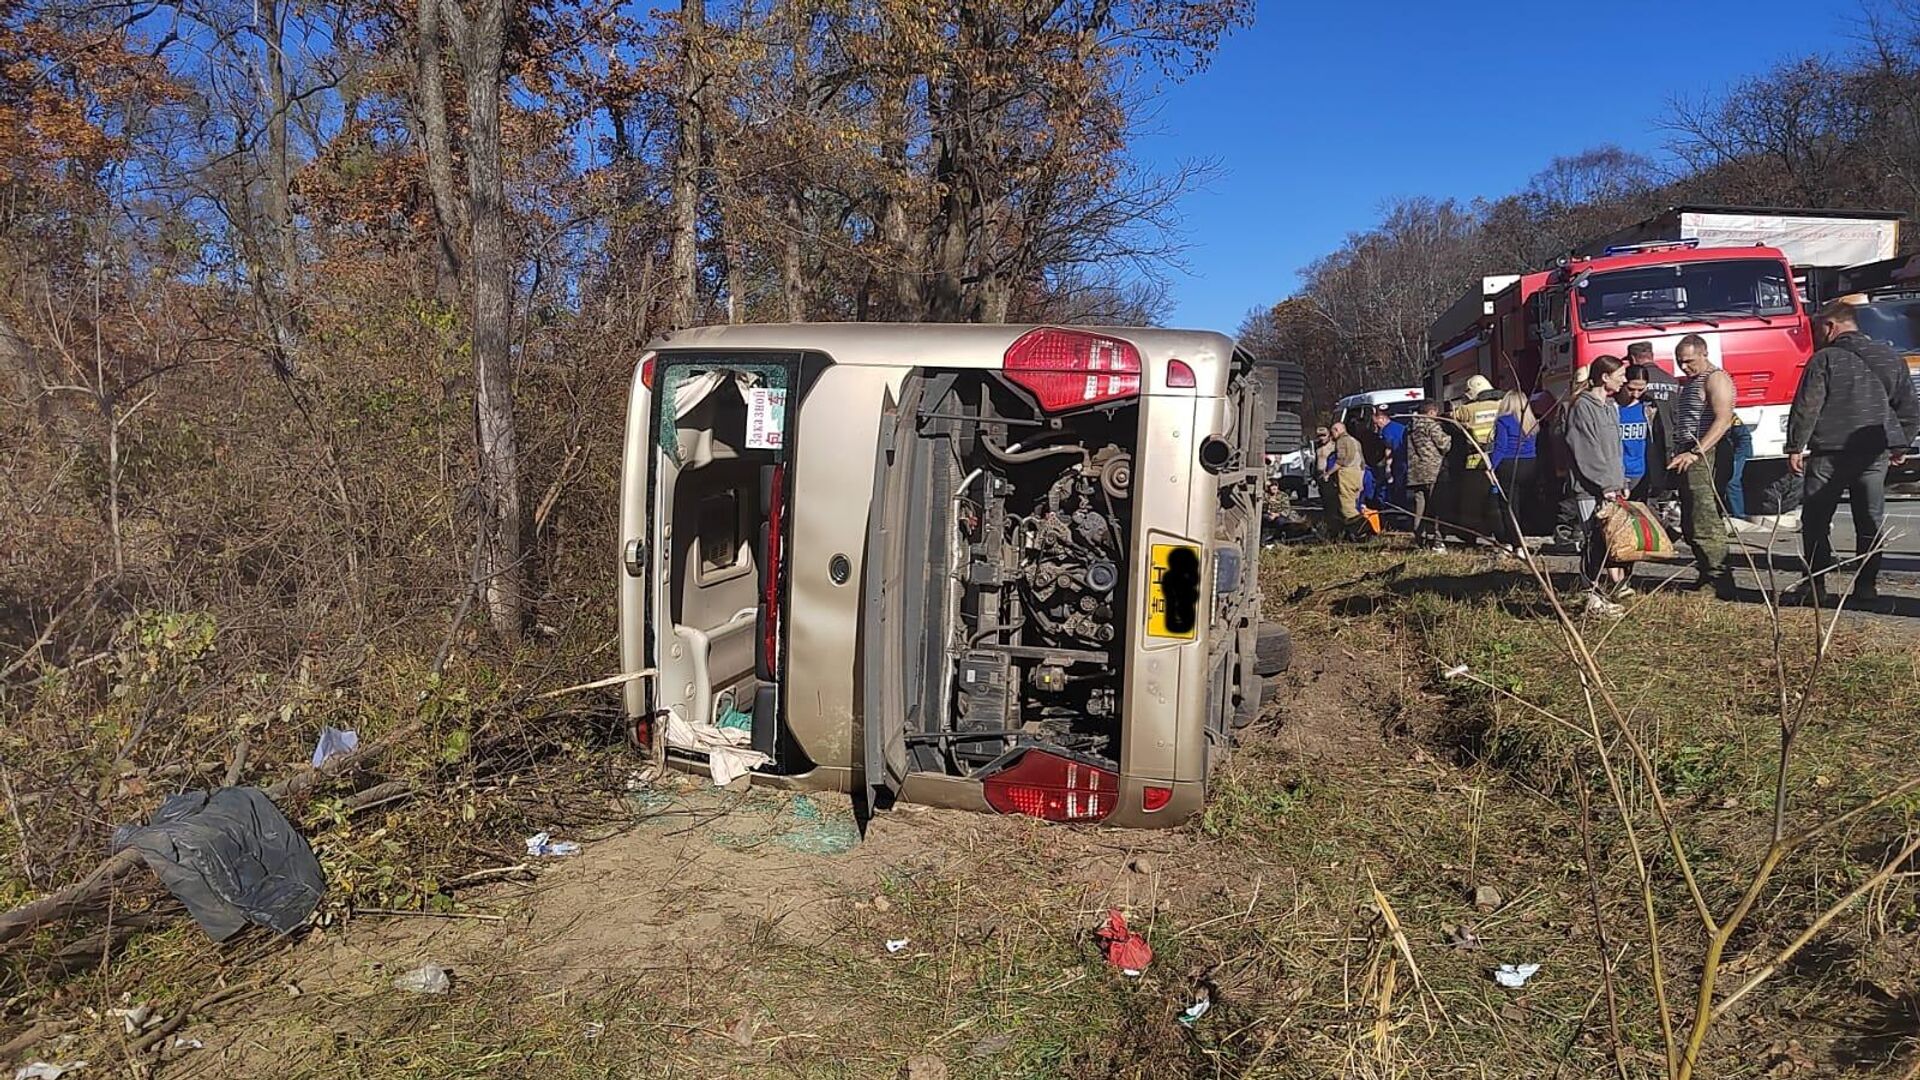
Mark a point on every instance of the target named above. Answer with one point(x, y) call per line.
point(1068, 369)
point(646, 370)
point(770, 594)
point(1154, 797)
point(1180, 376)
point(1053, 788)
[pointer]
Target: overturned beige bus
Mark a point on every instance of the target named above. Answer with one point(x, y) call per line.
point(1006, 568)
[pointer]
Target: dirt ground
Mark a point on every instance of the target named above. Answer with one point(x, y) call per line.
point(704, 872)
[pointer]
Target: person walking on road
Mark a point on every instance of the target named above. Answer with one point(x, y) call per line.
point(1593, 447)
point(1703, 414)
point(1853, 415)
point(1428, 441)
point(1514, 465)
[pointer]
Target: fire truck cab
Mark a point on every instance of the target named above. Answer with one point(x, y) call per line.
point(1739, 277)
point(1741, 301)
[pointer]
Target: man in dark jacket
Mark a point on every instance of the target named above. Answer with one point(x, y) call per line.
point(1854, 413)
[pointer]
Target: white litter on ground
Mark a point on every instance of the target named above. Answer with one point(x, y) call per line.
point(542, 845)
point(728, 753)
point(1515, 976)
point(41, 1070)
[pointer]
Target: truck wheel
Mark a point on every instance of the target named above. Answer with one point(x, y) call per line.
point(1246, 707)
point(1273, 651)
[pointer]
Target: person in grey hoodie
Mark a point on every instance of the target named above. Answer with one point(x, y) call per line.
point(1593, 447)
point(1854, 414)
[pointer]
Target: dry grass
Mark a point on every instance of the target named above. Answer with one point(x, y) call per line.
point(1268, 902)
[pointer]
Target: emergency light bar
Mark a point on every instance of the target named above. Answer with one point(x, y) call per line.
point(1652, 245)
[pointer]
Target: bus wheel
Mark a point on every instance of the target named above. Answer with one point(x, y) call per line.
point(1273, 650)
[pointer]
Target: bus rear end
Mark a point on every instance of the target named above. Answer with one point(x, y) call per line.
point(1001, 568)
point(1060, 567)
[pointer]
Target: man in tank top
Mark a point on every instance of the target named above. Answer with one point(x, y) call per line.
point(1702, 416)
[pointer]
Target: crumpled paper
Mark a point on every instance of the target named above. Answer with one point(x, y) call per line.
point(541, 845)
point(334, 742)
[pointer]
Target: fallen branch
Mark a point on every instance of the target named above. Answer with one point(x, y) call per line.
point(611, 680)
point(494, 874)
point(46, 636)
point(545, 508)
point(238, 765)
point(430, 914)
point(45, 1029)
point(173, 1023)
point(378, 795)
point(71, 900)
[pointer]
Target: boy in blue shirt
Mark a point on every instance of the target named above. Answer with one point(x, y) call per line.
point(1640, 453)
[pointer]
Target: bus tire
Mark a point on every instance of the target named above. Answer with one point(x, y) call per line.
point(1273, 650)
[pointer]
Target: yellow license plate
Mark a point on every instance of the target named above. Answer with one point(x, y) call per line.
point(1173, 605)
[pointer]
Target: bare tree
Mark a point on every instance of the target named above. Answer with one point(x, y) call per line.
point(480, 41)
point(430, 109)
point(1786, 134)
point(684, 262)
point(795, 188)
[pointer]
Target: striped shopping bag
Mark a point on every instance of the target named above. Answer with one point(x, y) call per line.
point(1633, 532)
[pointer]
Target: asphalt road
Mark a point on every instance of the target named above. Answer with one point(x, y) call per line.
point(1755, 560)
point(1758, 563)
point(1899, 567)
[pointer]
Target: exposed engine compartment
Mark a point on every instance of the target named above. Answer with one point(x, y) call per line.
point(1038, 532)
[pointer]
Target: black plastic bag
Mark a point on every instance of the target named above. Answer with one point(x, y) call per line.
point(232, 858)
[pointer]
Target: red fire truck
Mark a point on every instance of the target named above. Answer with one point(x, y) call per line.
point(1736, 276)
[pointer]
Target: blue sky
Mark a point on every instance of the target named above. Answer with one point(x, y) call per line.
point(1320, 112)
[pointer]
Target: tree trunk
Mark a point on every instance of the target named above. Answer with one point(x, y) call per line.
point(430, 99)
point(996, 297)
point(793, 284)
point(736, 278)
point(950, 230)
point(502, 540)
point(999, 258)
point(281, 253)
point(946, 278)
point(684, 268)
point(903, 279)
